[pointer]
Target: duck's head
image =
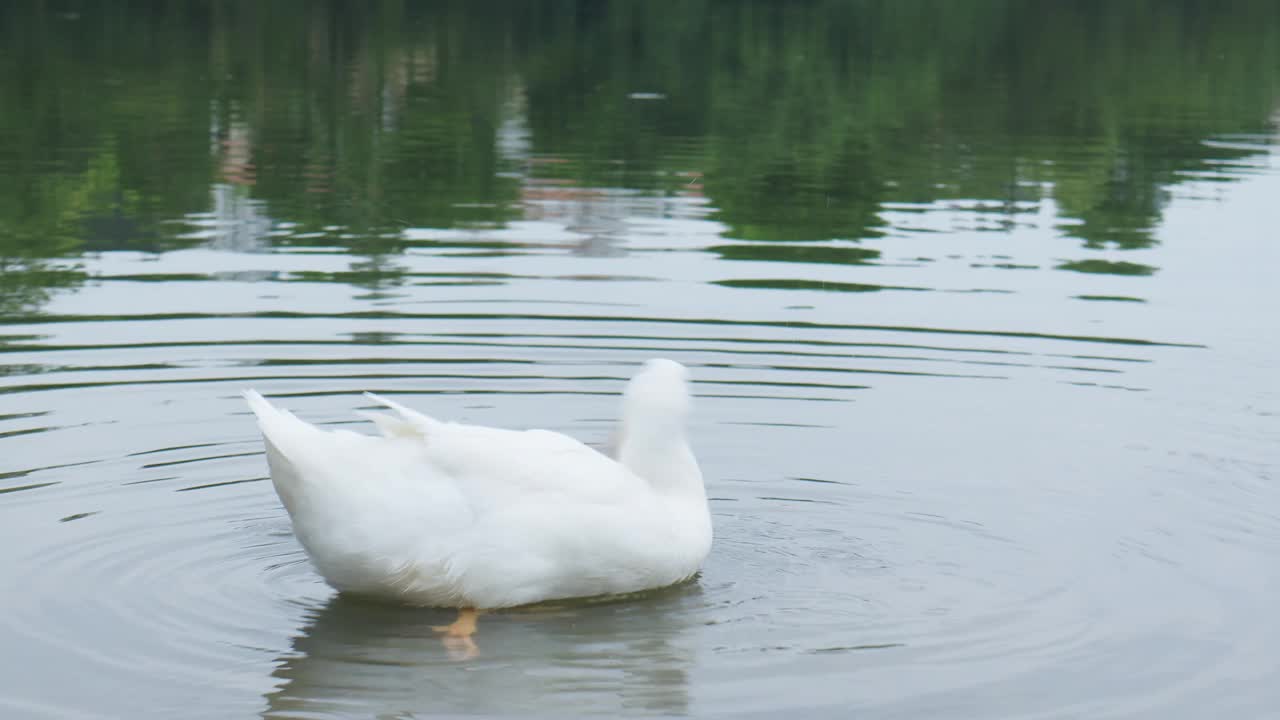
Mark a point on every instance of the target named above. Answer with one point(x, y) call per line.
point(659, 393)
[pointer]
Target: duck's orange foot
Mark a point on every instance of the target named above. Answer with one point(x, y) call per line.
point(456, 636)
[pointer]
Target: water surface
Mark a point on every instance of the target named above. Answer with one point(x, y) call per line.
point(978, 298)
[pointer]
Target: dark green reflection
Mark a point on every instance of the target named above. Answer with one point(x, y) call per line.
point(1110, 298)
point(798, 121)
point(1108, 267)
point(798, 253)
point(796, 284)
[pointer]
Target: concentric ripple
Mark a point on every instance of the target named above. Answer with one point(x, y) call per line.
point(167, 559)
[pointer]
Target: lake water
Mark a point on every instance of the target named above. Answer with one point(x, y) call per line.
point(979, 298)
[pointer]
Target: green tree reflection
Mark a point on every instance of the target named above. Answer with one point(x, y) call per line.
point(798, 121)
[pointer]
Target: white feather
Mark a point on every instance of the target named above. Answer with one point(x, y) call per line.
point(448, 514)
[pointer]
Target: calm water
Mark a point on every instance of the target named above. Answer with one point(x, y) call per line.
point(979, 298)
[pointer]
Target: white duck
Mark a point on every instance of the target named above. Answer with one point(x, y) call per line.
point(450, 515)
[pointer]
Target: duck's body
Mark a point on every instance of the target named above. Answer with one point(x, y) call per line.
point(452, 515)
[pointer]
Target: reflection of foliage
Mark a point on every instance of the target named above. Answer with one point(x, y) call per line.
point(45, 218)
point(800, 120)
point(28, 283)
point(798, 253)
point(93, 137)
point(98, 131)
point(815, 113)
point(366, 120)
point(794, 284)
point(1110, 298)
point(1108, 267)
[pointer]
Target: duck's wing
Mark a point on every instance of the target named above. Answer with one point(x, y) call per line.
point(407, 422)
point(498, 468)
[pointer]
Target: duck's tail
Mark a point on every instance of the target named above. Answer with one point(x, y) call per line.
point(261, 407)
point(292, 446)
point(280, 427)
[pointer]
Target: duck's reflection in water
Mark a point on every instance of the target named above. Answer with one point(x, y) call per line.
point(359, 659)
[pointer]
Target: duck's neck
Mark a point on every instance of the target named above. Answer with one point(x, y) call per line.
point(656, 450)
